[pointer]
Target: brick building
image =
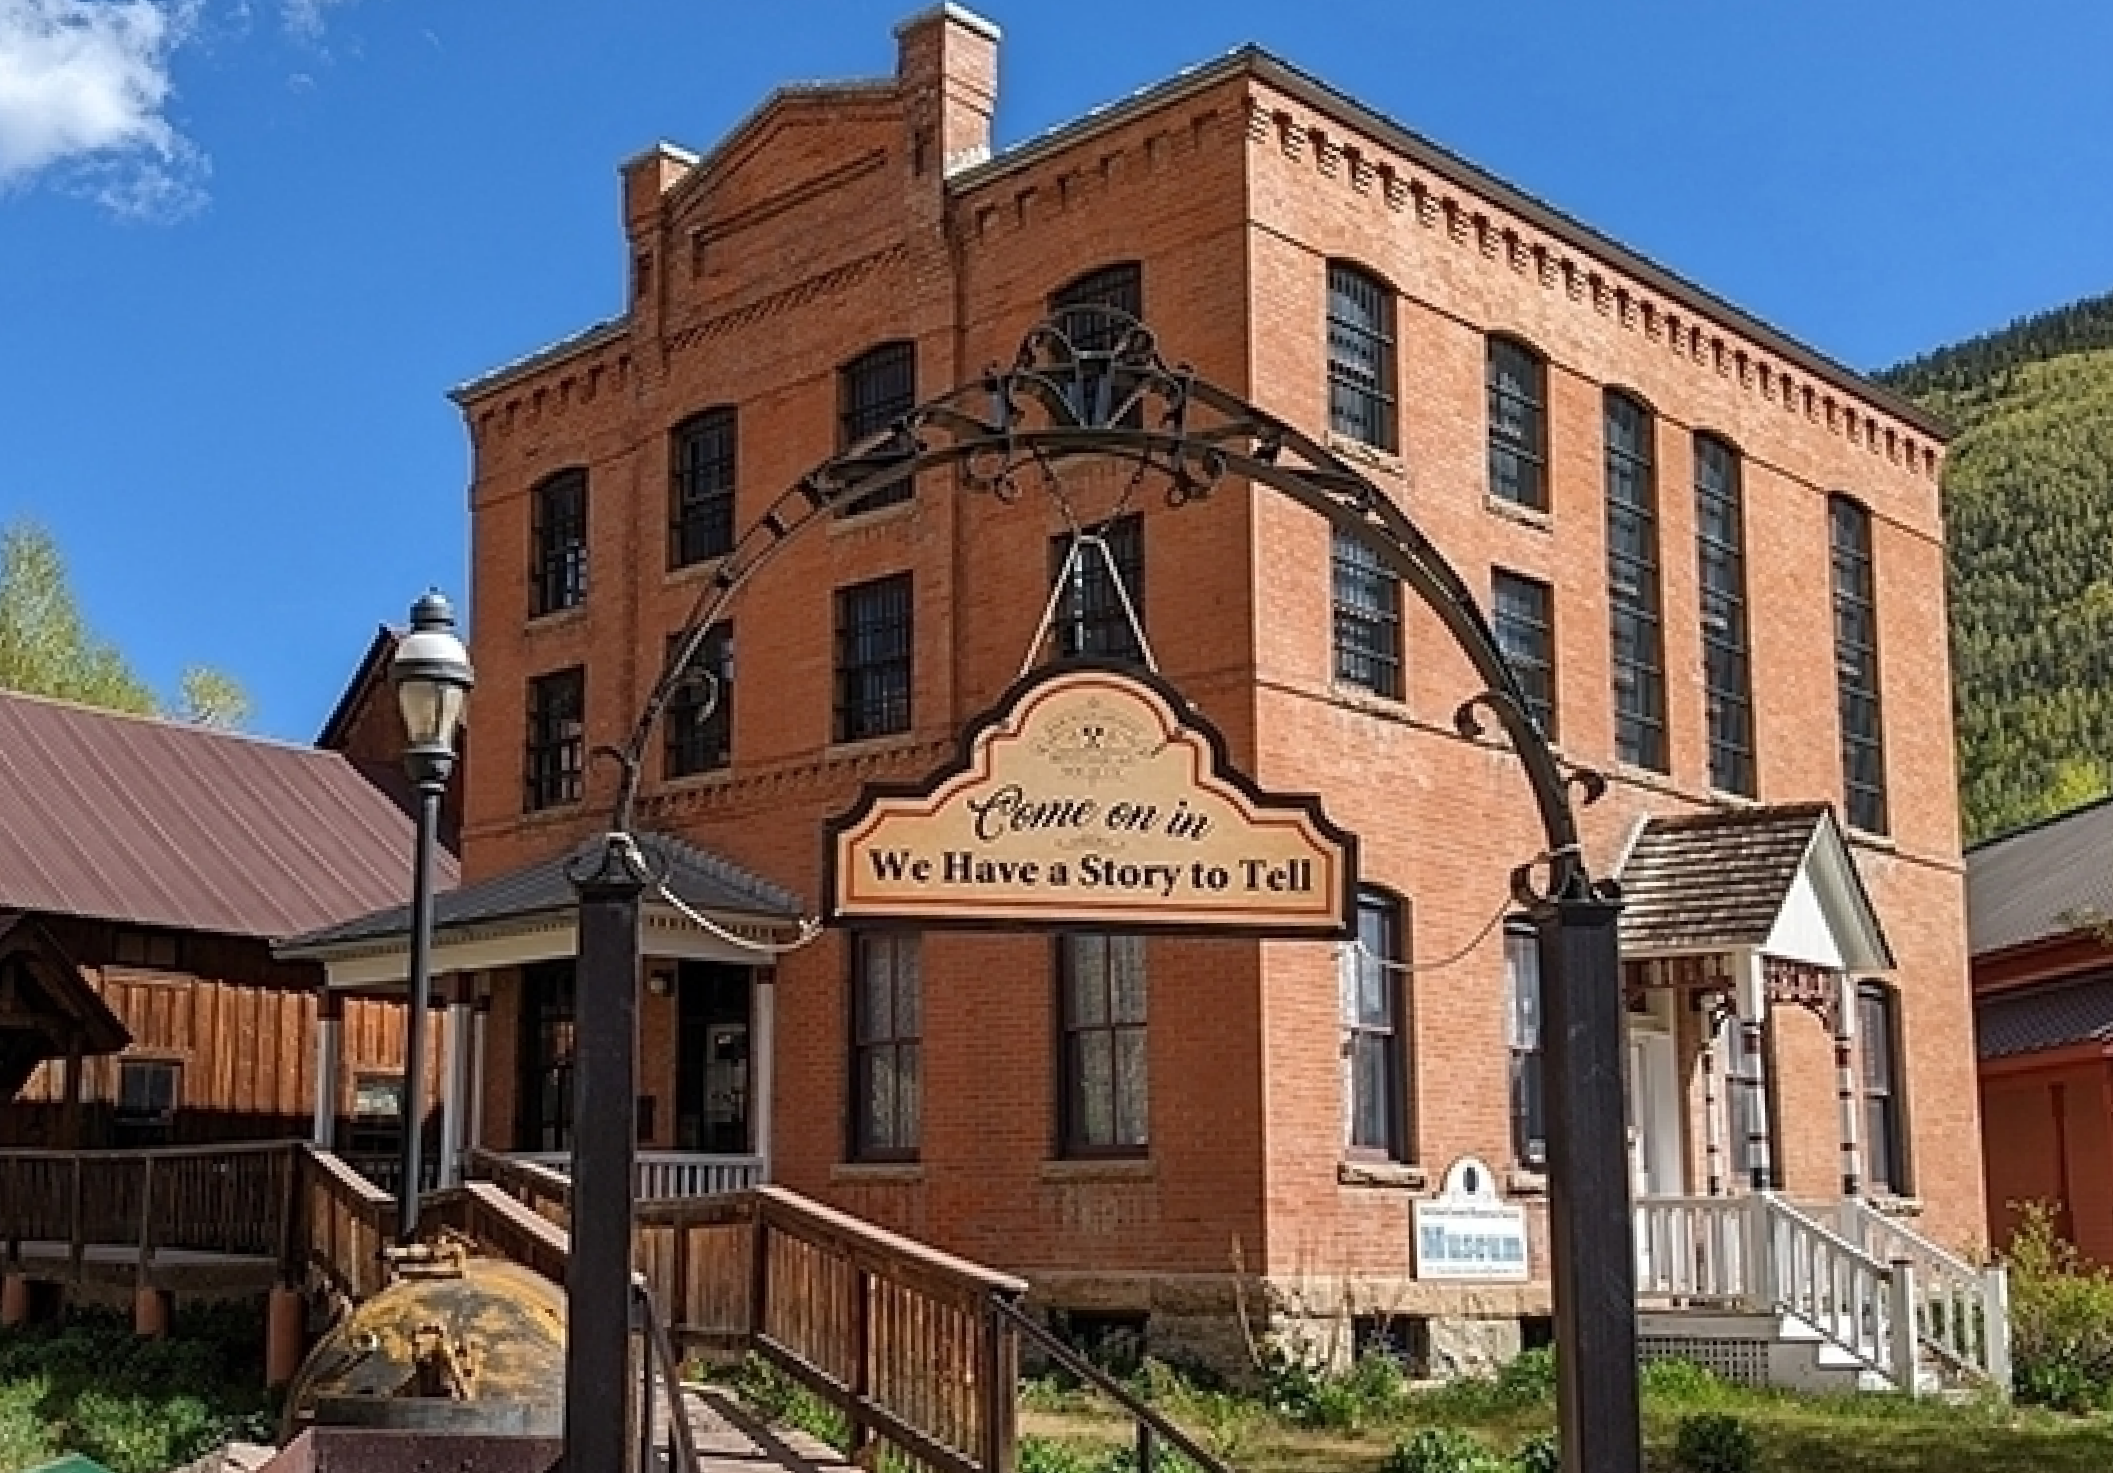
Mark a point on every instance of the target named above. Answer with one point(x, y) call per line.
point(1714, 555)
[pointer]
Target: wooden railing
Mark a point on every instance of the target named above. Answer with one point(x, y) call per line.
point(346, 1221)
point(234, 1199)
point(667, 1175)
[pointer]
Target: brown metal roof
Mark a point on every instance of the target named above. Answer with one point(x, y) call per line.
point(2045, 880)
point(160, 823)
point(2036, 1019)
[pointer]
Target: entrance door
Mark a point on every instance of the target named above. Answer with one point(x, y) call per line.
point(1654, 1115)
point(712, 1025)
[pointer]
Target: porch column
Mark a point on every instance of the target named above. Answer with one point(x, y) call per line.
point(480, 1018)
point(70, 1121)
point(329, 1054)
point(454, 1085)
point(762, 1058)
point(1845, 1084)
point(1753, 1013)
point(1712, 1062)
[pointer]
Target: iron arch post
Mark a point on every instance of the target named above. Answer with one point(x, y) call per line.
point(1060, 402)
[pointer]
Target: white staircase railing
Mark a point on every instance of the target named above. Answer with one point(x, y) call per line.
point(1961, 1311)
point(1691, 1251)
point(671, 1175)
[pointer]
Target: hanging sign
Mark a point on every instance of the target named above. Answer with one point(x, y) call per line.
point(1467, 1231)
point(1092, 796)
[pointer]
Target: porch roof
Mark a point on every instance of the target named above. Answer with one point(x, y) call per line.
point(1778, 879)
point(44, 1003)
point(2036, 1019)
point(700, 879)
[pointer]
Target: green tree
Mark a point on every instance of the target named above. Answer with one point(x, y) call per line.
point(47, 648)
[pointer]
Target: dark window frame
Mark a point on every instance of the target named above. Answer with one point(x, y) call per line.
point(1362, 385)
point(876, 642)
point(547, 1056)
point(554, 759)
point(1522, 617)
point(1378, 1042)
point(1635, 597)
point(900, 1140)
point(1522, 1000)
point(146, 949)
point(1727, 654)
point(1089, 618)
point(704, 458)
point(1119, 285)
point(1126, 1040)
point(1516, 375)
point(1859, 700)
point(1882, 1096)
point(142, 1126)
point(557, 542)
point(874, 390)
point(1365, 604)
point(696, 741)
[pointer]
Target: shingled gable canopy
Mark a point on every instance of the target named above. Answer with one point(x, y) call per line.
point(47, 1011)
point(529, 914)
point(1778, 882)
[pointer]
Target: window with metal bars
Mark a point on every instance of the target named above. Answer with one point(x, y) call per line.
point(702, 456)
point(1361, 356)
point(700, 715)
point(1727, 665)
point(556, 755)
point(1524, 623)
point(873, 658)
point(1522, 987)
point(887, 1036)
point(1375, 1031)
point(1090, 619)
point(1518, 424)
point(1106, 1096)
point(1367, 606)
point(1856, 666)
point(1632, 584)
point(1120, 286)
point(874, 390)
point(1885, 1135)
point(557, 574)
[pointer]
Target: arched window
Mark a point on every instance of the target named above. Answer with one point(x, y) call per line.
point(874, 390)
point(557, 533)
point(1856, 665)
point(1727, 664)
point(1518, 424)
point(1120, 286)
point(1632, 584)
point(1361, 356)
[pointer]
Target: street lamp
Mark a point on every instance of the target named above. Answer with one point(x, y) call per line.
point(432, 675)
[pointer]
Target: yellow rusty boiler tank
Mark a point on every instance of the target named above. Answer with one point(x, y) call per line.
point(456, 1344)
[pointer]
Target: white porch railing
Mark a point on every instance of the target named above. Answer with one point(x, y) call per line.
point(1877, 1290)
point(1962, 1312)
point(669, 1175)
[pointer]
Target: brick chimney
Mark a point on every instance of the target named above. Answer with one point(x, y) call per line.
point(947, 62)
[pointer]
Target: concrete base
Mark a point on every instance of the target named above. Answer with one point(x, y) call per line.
point(151, 1311)
point(17, 1299)
point(367, 1450)
point(1471, 1347)
point(285, 1335)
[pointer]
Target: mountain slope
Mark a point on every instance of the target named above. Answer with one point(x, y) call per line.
point(2028, 493)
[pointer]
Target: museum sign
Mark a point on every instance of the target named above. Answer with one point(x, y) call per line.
point(1092, 797)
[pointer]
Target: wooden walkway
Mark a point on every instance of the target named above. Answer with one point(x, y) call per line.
point(731, 1439)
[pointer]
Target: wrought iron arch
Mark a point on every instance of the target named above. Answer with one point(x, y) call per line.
point(1057, 402)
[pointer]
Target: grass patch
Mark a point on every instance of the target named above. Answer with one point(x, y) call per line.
point(89, 1385)
point(1512, 1415)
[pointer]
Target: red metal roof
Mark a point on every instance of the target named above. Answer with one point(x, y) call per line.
point(159, 823)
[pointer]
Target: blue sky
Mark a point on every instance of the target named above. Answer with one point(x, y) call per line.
point(247, 245)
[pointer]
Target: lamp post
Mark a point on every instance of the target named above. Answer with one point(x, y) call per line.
point(432, 675)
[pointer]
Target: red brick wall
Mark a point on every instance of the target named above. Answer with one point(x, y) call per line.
point(811, 234)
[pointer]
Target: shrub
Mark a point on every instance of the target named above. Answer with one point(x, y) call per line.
point(1047, 1455)
point(1538, 1454)
point(1529, 1376)
point(1715, 1442)
point(1441, 1450)
point(1678, 1380)
point(2061, 1318)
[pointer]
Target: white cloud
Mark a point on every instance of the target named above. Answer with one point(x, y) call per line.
point(305, 17)
point(84, 96)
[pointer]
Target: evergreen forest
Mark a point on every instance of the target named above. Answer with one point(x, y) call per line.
point(2028, 492)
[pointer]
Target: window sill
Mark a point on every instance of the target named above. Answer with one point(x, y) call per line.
point(876, 746)
point(1526, 1181)
point(877, 1171)
point(1538, 518)
point(709, 777)
point(1865, 839)
point(698, 571)
point(1367, 455)
point(1398, 1174)
point(1092, 1169)
point(557, 619)
point(843, 523)
point(1367, 700)
point(1890, 1206)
